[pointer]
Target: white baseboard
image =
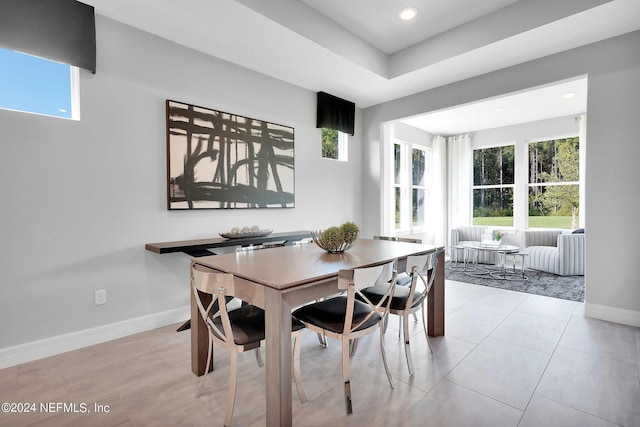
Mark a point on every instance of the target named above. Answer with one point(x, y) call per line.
point(30, 351)
point(612, 314)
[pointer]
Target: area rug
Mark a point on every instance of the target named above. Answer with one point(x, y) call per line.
point(538, 282)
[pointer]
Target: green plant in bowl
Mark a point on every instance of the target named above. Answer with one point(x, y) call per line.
point(349, 231)
point(336, 239)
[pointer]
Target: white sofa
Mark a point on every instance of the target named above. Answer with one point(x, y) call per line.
point(469, 234)
point(559, 252)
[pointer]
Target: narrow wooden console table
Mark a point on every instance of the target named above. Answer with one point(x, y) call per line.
point(200, 247)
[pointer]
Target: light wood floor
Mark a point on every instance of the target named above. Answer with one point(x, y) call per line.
point(508, 359)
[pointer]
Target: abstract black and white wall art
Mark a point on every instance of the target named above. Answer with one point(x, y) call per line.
point(218, 160)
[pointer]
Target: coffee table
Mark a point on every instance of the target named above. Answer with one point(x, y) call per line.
point(471, 251)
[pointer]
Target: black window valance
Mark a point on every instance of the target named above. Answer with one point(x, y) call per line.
point(336, 113)
point(59, 30)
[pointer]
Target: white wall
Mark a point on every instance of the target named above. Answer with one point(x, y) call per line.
point(612, 177)
point(541, 130)
point(80, 199)
point(407, 133)
point(612, 153)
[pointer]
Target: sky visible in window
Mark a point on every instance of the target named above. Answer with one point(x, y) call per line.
point(35, 85)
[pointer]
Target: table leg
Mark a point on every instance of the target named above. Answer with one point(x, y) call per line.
point(522, 261)
point(199, 338)
point(502, 260)
point(471, 257)
point(455, 252)
point(521, 255)
point(435, 305)
point(465, 255)
point(278, 363)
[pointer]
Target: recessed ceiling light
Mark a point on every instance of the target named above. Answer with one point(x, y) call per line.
point(408, 13)
point(569, 95)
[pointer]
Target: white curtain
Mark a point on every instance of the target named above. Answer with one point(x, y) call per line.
point(460, 180)
point(437, 207)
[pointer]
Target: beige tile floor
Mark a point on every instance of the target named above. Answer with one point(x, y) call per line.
point(508, 359)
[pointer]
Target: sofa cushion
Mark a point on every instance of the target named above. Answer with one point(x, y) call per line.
point(543, 258)
point(539, 238)
point(471, 233)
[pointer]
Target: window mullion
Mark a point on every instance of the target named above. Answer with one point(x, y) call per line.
point(409, 188)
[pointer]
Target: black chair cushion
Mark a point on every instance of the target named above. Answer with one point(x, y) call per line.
point(330, 314)
point(247, 323)
point(400, 295)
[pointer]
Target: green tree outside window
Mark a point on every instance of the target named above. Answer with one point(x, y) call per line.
point(329, 143)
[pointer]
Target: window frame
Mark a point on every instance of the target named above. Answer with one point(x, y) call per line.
point(530, 185)
point(521, 177)
point(342, 146)
point(406, 187)
point(73, 96)
point(512, 186)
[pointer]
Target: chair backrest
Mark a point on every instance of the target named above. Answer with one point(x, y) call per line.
point(210, 291)
point(418, 262)
point(417, 265)
point(357, 279)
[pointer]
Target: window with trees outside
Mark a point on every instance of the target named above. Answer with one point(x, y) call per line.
point(554, 183)
point(493, 184)
point(334, 144)
point(552, 197)
point(409, 184)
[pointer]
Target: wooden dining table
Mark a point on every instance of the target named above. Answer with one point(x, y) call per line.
point(282, 278)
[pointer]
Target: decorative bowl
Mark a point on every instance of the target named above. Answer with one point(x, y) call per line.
point(246, 232)
point(334, 242)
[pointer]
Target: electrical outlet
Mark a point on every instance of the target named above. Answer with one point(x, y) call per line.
point(100, 296)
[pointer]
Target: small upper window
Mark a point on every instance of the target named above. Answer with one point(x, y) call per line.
point(334, 144)
point(35, 85)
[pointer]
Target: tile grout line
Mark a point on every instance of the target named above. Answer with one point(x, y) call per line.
point(545, 369)
point(558, 345)
point(444, 378)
